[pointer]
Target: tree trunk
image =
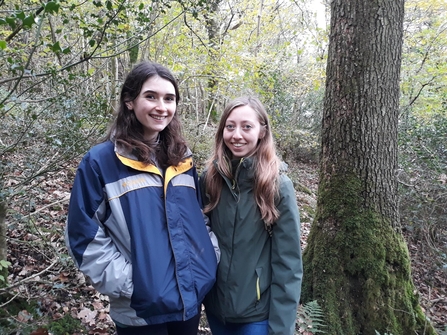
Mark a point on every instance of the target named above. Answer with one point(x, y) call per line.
point(356, 262)
point(212, 27)
point(3, 249)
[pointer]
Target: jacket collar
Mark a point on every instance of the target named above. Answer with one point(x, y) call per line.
point(128, 158)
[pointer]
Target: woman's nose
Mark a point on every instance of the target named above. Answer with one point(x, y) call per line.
point(237, 133)
point(161, 105)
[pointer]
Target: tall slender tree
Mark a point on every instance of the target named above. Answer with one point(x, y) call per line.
point(3, 251)
point(356, 262)
point(214, 44)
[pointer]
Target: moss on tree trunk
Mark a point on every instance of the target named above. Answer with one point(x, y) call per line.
point(358, 267)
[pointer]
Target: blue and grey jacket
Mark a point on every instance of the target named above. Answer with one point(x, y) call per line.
point(140, 236)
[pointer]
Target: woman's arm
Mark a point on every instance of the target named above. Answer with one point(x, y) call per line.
point(287, 267)
point(92, 249)
point(200, 186)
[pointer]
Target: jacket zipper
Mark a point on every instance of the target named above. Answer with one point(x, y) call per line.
point(173, 254)
point(234, 184)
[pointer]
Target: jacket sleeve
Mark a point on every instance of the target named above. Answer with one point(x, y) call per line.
point(88, 243)
point(200, 193)
point(287, 267)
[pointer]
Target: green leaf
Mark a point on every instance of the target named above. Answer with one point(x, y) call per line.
point(56, 47)
point(109, 5)
point(11, 21)
point(20, 15)
point(16, 66)
point(51, 7)
point(3, 45)
point(91, 43)
point(2, 278)
point(29, 21)
point(4, 263)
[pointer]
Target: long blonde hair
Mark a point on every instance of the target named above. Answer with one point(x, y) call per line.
point(265, 164)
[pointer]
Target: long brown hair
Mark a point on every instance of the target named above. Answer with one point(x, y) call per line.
point(265, 165)
point(128, 131)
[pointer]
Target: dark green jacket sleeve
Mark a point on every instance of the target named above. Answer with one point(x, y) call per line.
point(287, 267)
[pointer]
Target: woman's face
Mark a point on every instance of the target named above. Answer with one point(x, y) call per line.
point(242, 131)
point(155, 106)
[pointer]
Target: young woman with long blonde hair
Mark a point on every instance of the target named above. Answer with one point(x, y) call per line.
point(252, 207)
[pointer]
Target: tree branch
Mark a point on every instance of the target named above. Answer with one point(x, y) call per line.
point(192, 30)
point(19, 27)
point(28, 278)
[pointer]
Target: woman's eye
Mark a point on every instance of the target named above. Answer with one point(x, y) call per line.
point(248, 126)
point(229, 126)
point(150, 96)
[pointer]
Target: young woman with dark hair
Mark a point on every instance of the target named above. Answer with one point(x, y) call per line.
point(135, 224)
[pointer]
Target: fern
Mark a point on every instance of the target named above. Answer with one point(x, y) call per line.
point(310, 318)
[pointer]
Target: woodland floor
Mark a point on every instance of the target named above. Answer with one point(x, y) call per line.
point(41, 271)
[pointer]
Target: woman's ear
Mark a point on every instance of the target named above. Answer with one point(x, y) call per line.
point(129, 105)
point(263, 131)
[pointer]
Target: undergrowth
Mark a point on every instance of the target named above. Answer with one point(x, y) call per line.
point(310, 319)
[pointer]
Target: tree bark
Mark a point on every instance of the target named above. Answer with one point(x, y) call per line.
point(356, 262)
point(3, 249)
point(212, 27)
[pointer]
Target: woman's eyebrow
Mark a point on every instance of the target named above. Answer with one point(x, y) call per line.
point(150, 91)
point(156, 92)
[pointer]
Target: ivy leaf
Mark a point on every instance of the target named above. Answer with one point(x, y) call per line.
point(11, 21)
point(28, 21)
point(3, 45)
point(20, 15)
point(51, 7)
point(56, 48)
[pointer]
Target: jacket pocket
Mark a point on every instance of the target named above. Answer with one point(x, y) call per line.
point(258, 283)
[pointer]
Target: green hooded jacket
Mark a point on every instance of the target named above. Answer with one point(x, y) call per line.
point(259, 276)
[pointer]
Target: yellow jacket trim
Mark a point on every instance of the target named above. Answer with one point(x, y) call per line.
point(173, 171)
point(137, 165)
